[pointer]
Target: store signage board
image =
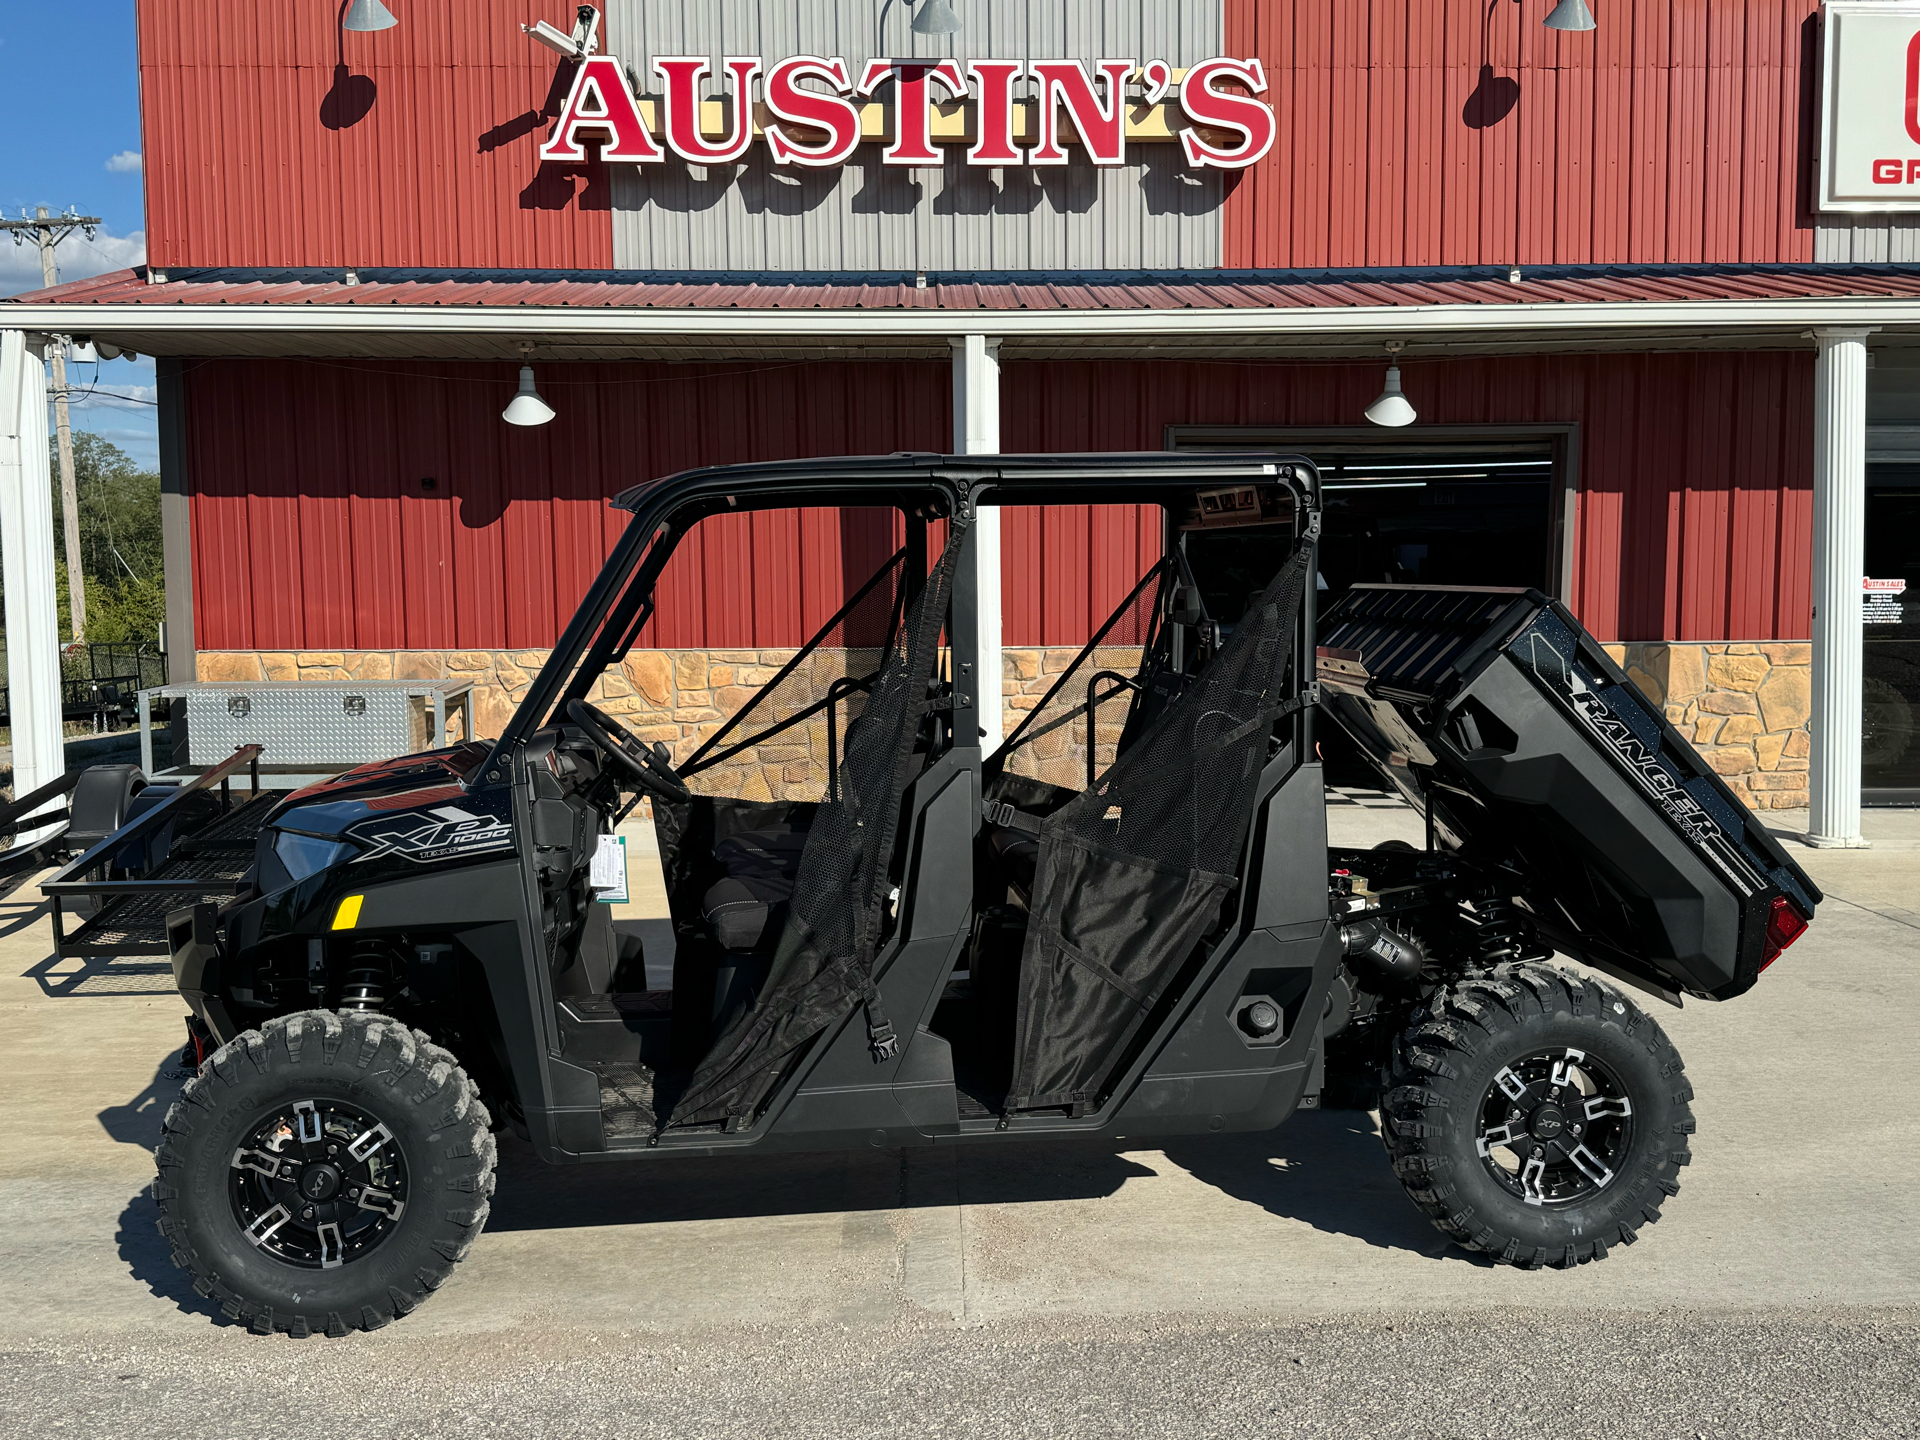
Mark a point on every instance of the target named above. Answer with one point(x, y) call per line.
point(1870, 132)
point(1881, 600)
point(816, 111)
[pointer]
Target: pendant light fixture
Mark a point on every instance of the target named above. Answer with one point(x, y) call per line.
point(527, 408)
point(1391, 407)
point(1570, 15)
point(935, 17)
point(368, 15)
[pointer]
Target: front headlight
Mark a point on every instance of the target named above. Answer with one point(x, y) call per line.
point(305, 855)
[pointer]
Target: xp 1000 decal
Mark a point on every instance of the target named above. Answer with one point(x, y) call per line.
point(442, 833)
point(1633, 737)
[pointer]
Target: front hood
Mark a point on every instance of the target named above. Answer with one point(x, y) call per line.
point(384, 790)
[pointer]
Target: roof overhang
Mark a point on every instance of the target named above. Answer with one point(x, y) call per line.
point(483, 332)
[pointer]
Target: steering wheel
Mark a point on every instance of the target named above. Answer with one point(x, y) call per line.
point(648, 768)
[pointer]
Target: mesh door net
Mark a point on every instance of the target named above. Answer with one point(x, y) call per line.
point(823, 966)
point(1133, 871)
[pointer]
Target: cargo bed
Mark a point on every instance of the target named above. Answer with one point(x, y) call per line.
point(1529, 751)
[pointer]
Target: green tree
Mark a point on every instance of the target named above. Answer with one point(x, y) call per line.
point(120, 548)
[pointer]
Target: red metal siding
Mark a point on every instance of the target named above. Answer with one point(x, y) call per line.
point(249, 159)
point(1696, 469)
point(1669, 134)
point(312, 530)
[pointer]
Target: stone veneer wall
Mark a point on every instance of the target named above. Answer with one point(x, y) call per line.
point(1744, 705)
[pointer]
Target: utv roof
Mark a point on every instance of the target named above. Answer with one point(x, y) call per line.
point(923, 465)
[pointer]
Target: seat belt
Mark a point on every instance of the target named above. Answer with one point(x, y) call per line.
point(1000, 813)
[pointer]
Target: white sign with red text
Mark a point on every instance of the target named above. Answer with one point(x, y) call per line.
point(808, 110)
point(1870, 132)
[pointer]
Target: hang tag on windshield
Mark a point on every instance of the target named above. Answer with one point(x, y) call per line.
point(608, 873)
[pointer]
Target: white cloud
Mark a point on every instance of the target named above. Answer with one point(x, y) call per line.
point(125, 162)
point(77, 258)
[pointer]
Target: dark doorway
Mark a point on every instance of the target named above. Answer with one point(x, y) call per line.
point(1890, 638)
point(1422, 515)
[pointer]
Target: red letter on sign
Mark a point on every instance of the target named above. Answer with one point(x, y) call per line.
point(995, 143)
point(912, 143)
point(787, 101)
point(1103, 130)
point(1914, 86)
point(600, 105)
point(1887, 172)
point(1223, 110)
point(683, 74)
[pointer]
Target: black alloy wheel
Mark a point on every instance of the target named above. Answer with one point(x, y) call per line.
point(324, 1173)
point(1537, 1115)
point(318, 1183)
point(1555, 1127)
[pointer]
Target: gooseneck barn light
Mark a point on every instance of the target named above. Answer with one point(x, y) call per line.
point(368, 15)
point(1570, 15)
point(1391, 407)
point(935, 17)
point(527, 408)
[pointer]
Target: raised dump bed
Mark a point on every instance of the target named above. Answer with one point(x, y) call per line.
point(1498, 716)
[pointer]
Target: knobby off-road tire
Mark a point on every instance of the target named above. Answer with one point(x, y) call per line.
point(345, 1106)
point(1478, 1064)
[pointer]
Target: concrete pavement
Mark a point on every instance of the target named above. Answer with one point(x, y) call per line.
point(1079, 1289)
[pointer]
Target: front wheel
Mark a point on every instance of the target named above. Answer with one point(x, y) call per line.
point(1537, 1115)
point(324, 1173)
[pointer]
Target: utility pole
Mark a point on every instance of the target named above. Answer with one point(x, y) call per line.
point(47, 231)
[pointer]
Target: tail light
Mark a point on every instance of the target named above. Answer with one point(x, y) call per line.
point(1785, 925)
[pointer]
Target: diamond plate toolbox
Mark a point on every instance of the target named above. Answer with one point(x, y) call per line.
point(304, 724)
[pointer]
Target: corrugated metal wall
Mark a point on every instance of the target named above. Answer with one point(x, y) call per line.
point(1455, 132)
point(1695, 469)
point(258, 151)
point(1150, 214)
point(1671, 133)
point(312, 529)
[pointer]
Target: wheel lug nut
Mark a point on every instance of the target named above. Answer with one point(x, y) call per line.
point(1539, 1151)
point(307, 1215)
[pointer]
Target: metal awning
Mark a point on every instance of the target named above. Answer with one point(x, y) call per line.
point(641, 315)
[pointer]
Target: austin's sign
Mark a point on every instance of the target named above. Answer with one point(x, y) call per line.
point(814, 110)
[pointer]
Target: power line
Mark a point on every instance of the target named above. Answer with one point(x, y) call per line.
point(47, 231)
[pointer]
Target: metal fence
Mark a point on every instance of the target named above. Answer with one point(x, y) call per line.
point(96, 681)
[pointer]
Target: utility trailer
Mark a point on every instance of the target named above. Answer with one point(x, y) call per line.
point(1122, 922)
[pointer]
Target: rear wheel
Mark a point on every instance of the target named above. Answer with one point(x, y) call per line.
point(324, 1173)
point(1537, 1115)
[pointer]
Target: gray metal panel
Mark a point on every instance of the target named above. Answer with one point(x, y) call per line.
point(176, 521)
point(301, 726)
point(1150, 214)
point(1866, 239)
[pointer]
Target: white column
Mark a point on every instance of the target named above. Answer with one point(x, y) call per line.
point(977, 431)
point(26, 554)
point(1840, 495)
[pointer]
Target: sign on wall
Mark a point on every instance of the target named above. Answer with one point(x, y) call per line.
point(815, 111)
point(1870, 133)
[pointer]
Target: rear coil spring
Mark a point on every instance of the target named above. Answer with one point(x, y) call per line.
point(1500, 931)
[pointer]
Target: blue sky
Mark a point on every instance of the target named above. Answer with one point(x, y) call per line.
point(69, 97)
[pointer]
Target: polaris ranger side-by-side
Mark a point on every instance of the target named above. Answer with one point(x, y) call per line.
point(1125, 921)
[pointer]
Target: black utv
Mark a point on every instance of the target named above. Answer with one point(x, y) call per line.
point(1124, 921)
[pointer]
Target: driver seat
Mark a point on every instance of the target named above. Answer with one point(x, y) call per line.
point(747, 907)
